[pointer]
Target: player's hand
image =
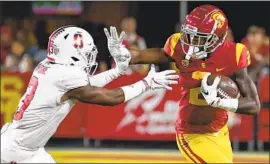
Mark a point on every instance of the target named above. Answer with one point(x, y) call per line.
point(122, 63)
point(118, 51)
point(115, 42)
point(158, 80)
point(209, 92)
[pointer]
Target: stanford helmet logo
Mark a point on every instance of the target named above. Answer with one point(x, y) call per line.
point(78, 41)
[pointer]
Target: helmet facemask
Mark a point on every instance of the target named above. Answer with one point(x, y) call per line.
point(87, 60)
point(90, 59)
point(198, 43)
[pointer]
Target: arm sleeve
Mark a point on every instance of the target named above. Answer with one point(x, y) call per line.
point(104, 78)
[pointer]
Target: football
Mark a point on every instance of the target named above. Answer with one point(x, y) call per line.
point(227, 88)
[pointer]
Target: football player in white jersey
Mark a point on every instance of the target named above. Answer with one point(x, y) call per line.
point(66, 76)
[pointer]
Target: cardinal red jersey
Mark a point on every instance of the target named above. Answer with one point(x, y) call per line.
point(195, 115)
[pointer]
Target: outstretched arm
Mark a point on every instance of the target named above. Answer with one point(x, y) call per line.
point(146, 56)
point(102, 96)
point(149, 56)
point(156, 55)
point(120, 55)
point(102, 79)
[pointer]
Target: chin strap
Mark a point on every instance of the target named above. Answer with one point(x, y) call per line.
point(189, 53)
point(195, 53)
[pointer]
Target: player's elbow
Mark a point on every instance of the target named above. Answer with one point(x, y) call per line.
point(255, 109)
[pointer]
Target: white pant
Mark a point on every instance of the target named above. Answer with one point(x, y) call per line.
point(12, 152)
point(38, 156)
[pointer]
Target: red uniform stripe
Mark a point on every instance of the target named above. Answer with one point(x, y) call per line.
point(181, 145)
point(192, 152)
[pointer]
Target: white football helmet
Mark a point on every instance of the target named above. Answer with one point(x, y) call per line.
point(71, 45)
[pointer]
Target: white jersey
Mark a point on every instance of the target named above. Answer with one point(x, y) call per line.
point(40, 105)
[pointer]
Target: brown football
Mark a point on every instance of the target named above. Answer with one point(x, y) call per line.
point(227, 88)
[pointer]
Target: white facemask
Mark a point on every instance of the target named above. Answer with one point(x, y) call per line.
point(195, 53)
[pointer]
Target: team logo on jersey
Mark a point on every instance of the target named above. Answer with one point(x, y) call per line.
point(185, 63)
point(219, 17)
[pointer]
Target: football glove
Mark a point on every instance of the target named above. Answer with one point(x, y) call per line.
point(209, 92)
point(117, 50)
point(158, 80)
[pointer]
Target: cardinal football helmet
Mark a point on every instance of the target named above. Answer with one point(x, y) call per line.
point(71, 45)
point(204, 30)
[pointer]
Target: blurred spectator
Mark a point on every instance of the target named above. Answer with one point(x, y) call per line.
point(6, 39)
point(18, 59)
point(259, 50)
point(133, 40)
point(28, 39)
point(12, 24)
point(129, 25)
point(31, 40)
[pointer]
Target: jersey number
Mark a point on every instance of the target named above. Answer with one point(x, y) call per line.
point(30, 92)
point(195, 96)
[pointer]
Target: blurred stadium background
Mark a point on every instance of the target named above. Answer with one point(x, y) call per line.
point(141, 130)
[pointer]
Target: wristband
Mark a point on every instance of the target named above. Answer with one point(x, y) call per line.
point(228, 104)
point(104, 78)
point(134, 90)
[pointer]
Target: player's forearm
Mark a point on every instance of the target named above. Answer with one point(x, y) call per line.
point(125, 93)
point(111, 97)
point(104, 78)
point(249, 103)
point(248, 106)
point(241, 106)
point(147, 56)
point(97, 95)
point(106, 97)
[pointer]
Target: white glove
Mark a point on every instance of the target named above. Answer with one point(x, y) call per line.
point(154, 80)
point(209, 92)
point(158, 80)
point(122, 63)
point(118, 51)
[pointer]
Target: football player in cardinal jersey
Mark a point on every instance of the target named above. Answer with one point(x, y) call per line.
point(66, 76)
point(199, 50)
